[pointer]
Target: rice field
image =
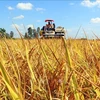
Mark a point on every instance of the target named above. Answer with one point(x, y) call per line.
point(49, 69)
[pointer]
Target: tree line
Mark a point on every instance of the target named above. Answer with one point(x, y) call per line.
point(3, 33)
point(31, 33)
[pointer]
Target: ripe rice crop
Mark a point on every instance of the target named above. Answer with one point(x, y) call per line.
point(49, 69)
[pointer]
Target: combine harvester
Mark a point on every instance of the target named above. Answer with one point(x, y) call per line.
point(49, 31)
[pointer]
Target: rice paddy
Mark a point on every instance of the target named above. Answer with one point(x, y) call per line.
point(49, 69)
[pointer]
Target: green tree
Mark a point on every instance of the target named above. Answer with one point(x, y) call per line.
point(7, 36)
point(30, 32)
point(26, 35)
point(34, 33)
point(38, 30)
point(11, 34)
point(2, 32)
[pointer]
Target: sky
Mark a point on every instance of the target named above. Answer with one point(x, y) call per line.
point(73, 15)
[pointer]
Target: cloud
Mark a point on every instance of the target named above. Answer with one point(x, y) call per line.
point(30, 25)
point(19, 17)
point(13, 26)
point(10, 8)
point(95, 20)
point(71, 4)
point(38, 21)
point(89, 3)
point(21, 26)
point(69, 30)
point(25, 6)
point(40, 9)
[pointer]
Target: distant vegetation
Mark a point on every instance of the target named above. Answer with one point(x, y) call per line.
point(3, 33)
point(31, 33)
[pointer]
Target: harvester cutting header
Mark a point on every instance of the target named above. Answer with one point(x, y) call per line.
point(50, 30)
